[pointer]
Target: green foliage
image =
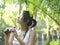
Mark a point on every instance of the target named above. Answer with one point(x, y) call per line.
point(54, 43)
point(31, 9)
point(9, 10)
point(21, 1)
point(9, 1)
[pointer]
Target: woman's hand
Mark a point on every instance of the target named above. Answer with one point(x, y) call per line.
point(6, 34)
point(13, 30)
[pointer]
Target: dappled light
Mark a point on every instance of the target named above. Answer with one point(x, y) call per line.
point(45, 12)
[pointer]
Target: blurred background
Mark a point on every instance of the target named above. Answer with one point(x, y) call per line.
point(46, 13)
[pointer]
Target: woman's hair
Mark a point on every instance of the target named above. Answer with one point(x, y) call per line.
point(30, 20)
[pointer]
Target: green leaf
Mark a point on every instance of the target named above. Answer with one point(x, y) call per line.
point(9, 1)
point(31, 9)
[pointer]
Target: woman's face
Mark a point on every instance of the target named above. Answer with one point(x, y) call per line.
point(20, 18)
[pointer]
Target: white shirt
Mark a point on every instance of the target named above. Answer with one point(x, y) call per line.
point(25, 40)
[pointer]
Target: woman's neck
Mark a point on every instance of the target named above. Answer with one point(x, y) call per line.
point(23, 27)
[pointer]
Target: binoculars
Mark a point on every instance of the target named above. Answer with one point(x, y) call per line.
point(7, 31)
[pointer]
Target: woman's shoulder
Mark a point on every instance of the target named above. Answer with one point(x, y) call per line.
point(32, 35)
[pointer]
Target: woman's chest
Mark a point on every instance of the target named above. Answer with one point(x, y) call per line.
point(21, 34)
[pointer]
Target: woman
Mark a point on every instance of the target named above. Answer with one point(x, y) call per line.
point(24, 35)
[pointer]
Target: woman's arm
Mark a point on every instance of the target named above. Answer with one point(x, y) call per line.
point(32, 38)
point(10, 42)
point(6, 38)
